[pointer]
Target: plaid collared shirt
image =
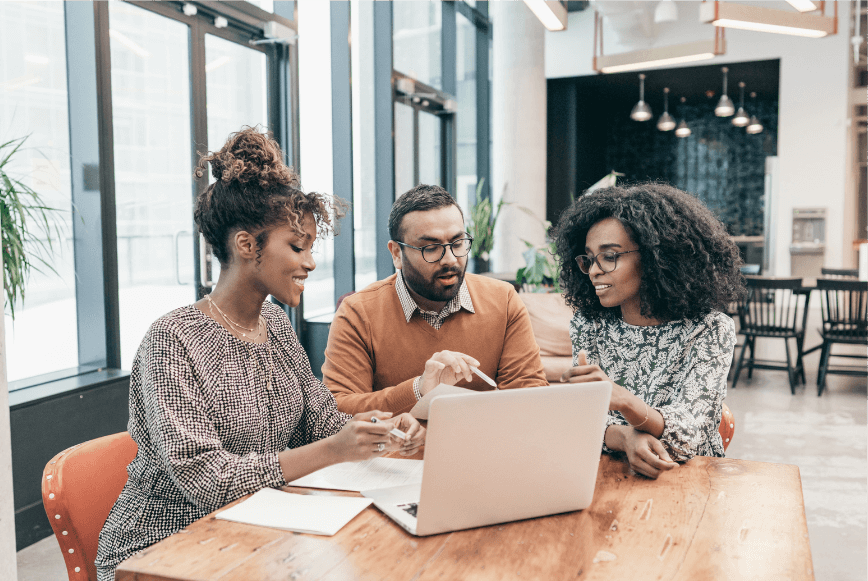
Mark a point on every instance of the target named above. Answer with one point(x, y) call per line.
point(459, 301)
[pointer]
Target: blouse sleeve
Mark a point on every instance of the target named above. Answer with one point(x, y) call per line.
point(183, 435)
point(693, 417)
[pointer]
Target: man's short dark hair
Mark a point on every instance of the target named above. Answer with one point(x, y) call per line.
point(419, 199)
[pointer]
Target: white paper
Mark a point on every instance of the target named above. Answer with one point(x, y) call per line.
point(317, 515)
point(420, 410)
point(368, 475)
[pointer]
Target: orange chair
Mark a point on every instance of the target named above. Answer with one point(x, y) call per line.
point(79, 487)
point(727, 427)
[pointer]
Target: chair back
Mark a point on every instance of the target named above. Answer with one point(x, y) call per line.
point(79, 487)
point(727, 426)
point(844, 305)
point(839, 272)
point(751, 269)
point(770, 307)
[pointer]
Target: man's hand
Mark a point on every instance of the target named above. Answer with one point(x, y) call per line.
point(447, 367)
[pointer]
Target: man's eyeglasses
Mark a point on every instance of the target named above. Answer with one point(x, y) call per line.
point(435, 252)
point(607, 261)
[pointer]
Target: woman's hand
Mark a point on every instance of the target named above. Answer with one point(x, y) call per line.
point(362, 439)
point(447, 367)
point(584, 373)
point(415, 435)
point(646, 454)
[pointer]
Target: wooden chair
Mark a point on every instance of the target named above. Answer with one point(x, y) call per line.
point(79, 487)
point(839, 272)
point(771, 309)
point(845, 320)
point(727, 426)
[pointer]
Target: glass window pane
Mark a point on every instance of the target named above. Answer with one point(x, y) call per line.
point(267, 5)
point(33, 101)
point(416, 38)
point(430, 155)
point(153, 168)
point(404, 152)
point(364, 199)
point(465, 68)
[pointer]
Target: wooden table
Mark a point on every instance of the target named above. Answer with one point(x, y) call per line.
point(711, 518)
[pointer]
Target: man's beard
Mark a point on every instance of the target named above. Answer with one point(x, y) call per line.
point(429, 289)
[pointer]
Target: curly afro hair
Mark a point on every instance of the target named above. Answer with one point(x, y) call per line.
point(690, 266)
point(255, 191)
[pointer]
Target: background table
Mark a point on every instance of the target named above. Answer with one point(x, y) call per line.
point(711, 518)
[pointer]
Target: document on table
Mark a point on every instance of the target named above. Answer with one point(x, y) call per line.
point(316, 515)
point(420, 410)
point(368, 475)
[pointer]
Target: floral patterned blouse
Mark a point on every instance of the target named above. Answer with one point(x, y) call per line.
point(210, 413)
point(678, 368)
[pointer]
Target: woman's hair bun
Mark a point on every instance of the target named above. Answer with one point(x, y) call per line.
point(249, 156)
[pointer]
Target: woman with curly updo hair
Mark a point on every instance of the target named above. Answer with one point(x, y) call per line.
point(222, 398)
point(649, 271)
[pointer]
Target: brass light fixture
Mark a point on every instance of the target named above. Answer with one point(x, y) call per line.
point(741, 118)
point(666, 121)
point(683, 130)
point(724, 108)
point(641, 111)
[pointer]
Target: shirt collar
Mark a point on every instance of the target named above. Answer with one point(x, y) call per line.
point(462, 299)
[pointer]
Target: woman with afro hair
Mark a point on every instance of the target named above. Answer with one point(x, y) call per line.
point(222, 398)
point(648, 271)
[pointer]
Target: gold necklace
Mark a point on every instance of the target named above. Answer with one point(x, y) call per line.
point(235, 326)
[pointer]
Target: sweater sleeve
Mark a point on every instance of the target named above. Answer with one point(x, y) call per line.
point(519, 365)
point(692, 419)
point(348, 370)
point(184, 436)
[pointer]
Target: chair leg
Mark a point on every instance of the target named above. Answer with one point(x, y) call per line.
point(740, 362)
point(800, 343)
point(751, 359)
point(824, 367)
point(790, 371)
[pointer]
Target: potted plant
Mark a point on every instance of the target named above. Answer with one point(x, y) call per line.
point(26, 229)
point(481, 228)
point(542, 270)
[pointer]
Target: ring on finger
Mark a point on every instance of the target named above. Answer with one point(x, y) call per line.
point(380, 447)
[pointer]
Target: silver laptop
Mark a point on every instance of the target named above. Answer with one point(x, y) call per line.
point(499, 456)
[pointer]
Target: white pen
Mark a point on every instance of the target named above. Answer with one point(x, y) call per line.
point(487, 379)
point(394, 431)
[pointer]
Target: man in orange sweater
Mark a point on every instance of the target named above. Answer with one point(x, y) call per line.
point(397, 339)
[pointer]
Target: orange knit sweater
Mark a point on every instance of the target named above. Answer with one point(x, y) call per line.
point(374, 355)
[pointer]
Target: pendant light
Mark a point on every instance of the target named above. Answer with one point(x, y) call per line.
point(741, 118)
point(724, 108)
point(641, 111)
point(754, 126)
point(666, 122)
point(683, 130)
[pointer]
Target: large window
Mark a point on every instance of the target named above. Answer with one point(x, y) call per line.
point(417, 40)
point(33, 104)
point(465, 78)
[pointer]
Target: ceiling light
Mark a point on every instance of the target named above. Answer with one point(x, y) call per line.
point(724, 108)
point(682, 130)
point(666, 122)
point(754, 126)
point(666, 11)
point(802, 5)
point(741, 119)
point(551, 13)
point(659, 57)
point(641, 111)
point(189, 9)
point(729, 15)
point(220, 22)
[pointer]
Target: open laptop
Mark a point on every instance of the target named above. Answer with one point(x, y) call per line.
point(499, 456)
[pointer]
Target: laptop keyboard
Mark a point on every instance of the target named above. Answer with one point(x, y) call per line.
point(410, 507)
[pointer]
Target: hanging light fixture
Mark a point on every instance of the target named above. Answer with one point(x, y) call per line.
point(666, 122)
point(683, 130)
point(724, 108)
point(745, 17)
point(754, 126)
point(641, 111)
point(741, 118)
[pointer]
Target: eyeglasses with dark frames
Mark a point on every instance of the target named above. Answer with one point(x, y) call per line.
point(608, 263)
point(435, 252)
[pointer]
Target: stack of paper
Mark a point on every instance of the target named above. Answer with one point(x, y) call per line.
point(368, 475)
point(317, 515)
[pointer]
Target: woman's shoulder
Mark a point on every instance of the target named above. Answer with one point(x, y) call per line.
point(715, 327)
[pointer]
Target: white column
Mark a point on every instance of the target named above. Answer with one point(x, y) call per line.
point(8, 563)
point(518, 100)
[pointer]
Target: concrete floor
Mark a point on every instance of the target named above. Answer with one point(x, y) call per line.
point(825, 437)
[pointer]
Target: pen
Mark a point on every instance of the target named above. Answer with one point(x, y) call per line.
point(395, 431)
point(485, 378)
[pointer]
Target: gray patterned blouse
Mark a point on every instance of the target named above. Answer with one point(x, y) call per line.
point(678, 368)
point(209, 425)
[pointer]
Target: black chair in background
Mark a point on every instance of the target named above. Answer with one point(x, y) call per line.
point(845, 320)
point(771, 309)
point(839, 272)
